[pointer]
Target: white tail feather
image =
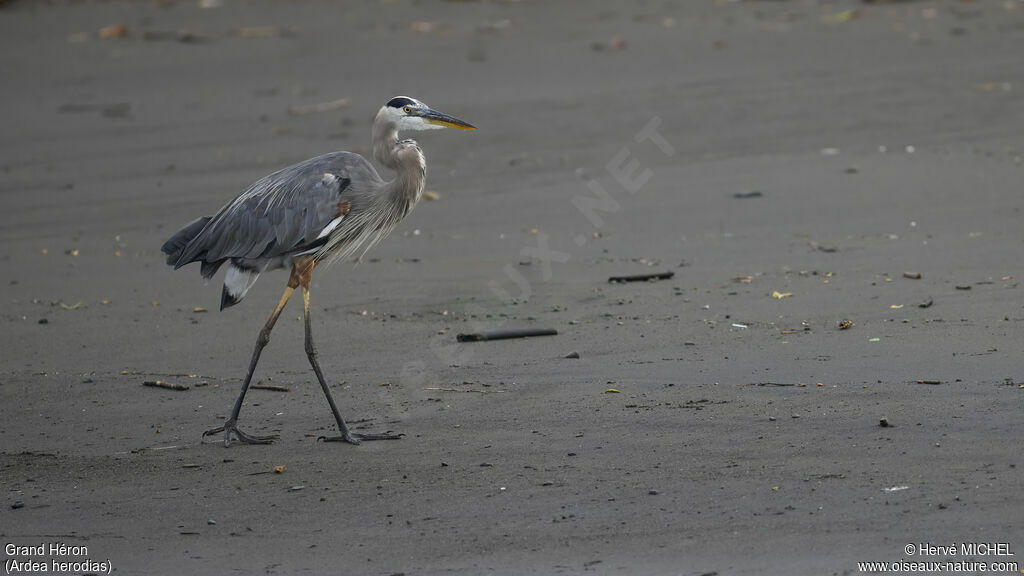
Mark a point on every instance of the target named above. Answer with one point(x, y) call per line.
point(237, 282)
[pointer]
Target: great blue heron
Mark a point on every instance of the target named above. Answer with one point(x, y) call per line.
point(319, 210)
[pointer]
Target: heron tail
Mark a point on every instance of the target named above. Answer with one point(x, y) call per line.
point(175, 246)
point(237, 282)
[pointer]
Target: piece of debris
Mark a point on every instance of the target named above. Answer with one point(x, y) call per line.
point(845, 324)
point(780, 295)
point(641, 277)
point(912, 275)
point(896, 489)
point(441, 389)
point(271, 387)
point(431, 195)
point(884, 423)
point(748, 194)
point(183, 36)
point(932, 382)
point(422, 26)
point(963, 287)
point(167, 385)
point(113, 31)
point(572, 354)
point(840, 17)
point(506, 334)
point(925, 303)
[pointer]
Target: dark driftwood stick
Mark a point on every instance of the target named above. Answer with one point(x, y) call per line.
point(504, 334)
point(641, 277)
point(270, 387)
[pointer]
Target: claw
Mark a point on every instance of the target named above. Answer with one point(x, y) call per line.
point(244, 438)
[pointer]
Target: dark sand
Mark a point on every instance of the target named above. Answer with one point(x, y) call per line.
point(515, 459)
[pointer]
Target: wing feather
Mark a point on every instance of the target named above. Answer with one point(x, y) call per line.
point(284, 212)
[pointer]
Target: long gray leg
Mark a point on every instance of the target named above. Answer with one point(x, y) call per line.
point(346, 435)
point(231, 425)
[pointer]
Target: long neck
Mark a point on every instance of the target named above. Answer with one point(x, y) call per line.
point(385, 136)
point(405, 190)
point(407, 160)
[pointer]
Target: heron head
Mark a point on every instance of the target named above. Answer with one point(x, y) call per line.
point(411, 114)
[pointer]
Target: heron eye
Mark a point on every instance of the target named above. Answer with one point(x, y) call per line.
point(407, 110)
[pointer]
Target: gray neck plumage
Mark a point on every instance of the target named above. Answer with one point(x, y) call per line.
point(408, 162)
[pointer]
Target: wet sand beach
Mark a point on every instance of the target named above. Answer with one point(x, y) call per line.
point(831, 373)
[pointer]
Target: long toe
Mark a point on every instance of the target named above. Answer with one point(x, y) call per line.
point(249, 439)
point(213, 431)
point(349, 438)
point(230, 428)
point(383, 436)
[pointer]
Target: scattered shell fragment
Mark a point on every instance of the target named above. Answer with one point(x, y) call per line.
point(113, 31)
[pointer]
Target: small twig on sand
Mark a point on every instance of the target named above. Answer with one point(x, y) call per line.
point(162, 384)
point(437, 389)
point(270, 387)
point(641, 277)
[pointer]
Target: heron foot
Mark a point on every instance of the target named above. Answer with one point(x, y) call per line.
point(230, 426)
point(359, 438)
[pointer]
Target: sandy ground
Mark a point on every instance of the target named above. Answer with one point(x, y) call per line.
point(883, 139)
